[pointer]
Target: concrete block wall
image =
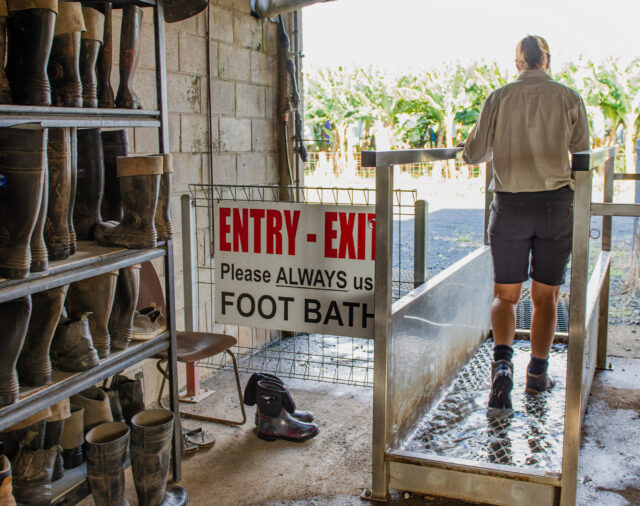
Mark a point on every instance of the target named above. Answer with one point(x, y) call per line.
point(243, 146)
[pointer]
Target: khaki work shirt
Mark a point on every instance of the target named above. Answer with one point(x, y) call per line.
point(529, 127)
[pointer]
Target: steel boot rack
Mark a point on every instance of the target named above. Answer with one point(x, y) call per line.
point(415, 359)
point(92, 260)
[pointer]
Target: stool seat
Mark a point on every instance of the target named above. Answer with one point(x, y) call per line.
point(194, 346)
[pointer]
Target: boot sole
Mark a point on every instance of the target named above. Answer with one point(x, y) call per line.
point(269, 437)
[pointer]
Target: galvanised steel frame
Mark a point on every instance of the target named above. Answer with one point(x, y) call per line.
point(423, 340)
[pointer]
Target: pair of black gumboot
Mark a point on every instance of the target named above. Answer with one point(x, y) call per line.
point(276, 416)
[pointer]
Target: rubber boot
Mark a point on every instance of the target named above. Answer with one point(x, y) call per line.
point(86, 213)
point(60, 412)
point(64, 68)
point(139, 186)
point(130, 394)
point(21, 188)
point(114, 143)
point(116, 406)
point(11, 437)
point(274, 421)
point(106, 97)
point(72, 349)
point(89, 49)
point(30, 35)
point(106, 449)
point(164, 225)
point(73, 438)
point(97, 408)
point(94, 296)
point(33, 471)
point(34, 364)
point(124, 307)
point(14, 316)
point(129, 53)
point(6, 487)
point(151, 437)
point(37, 244)
point(73, 135)
point(56, 229)
point(5, 89)
point(250, 395)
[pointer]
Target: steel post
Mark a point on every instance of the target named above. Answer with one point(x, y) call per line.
point(637, 193)
point(575, 357)
point(421, 242)
point(603, 317)
point(384, 241)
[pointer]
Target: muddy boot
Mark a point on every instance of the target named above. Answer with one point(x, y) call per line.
point(60, 412)
point(250, 395)
point(89, 48)
point(130, 394)
point(72, 189)
point(14, 316)
point(94, 296)
point(21, 186)
point(5, 89)
point(73, 438)
point(56, 228)
point(6, 487)
point(129, 53)
point(151, 437)
point(30, 35)
point(179, 10)
point(124, 307)
point(11, 437)
point(274, 421)
point(34, 364)
point(97, 408)
point(64, 68)
point(501, 384)
point(39, 253)
point(114, 143)
point(164, 225)
point(72, 349)
point(139, 186)
point(86, 213)
point(106, 448)
point(106, 97)
point(32, 472)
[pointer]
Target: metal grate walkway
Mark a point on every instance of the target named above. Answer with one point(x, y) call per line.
point(461, 425)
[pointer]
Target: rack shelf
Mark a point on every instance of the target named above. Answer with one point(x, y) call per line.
point(90, 260)
point(65, 385)
point(12, 115)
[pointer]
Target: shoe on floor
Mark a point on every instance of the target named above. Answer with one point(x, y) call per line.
point(538, 383)
point(501, 384)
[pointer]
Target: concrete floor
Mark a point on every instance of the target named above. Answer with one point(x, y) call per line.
point(334, 467)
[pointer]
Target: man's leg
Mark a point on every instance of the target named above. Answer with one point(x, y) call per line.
point(543, 327)
point(503, 312)
point(503, 321)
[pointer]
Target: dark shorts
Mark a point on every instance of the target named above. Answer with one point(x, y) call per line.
point(531, 225)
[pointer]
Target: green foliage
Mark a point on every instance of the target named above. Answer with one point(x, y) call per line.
point(439, 107)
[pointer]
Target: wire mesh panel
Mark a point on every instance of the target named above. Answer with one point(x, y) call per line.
point(319, 357)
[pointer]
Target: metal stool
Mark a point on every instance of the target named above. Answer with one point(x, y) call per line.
point(195, 346)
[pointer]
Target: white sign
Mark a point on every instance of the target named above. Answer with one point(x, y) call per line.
point(297, 267)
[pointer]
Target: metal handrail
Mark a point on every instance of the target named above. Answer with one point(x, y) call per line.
point(405, 156)
point(592, 158)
